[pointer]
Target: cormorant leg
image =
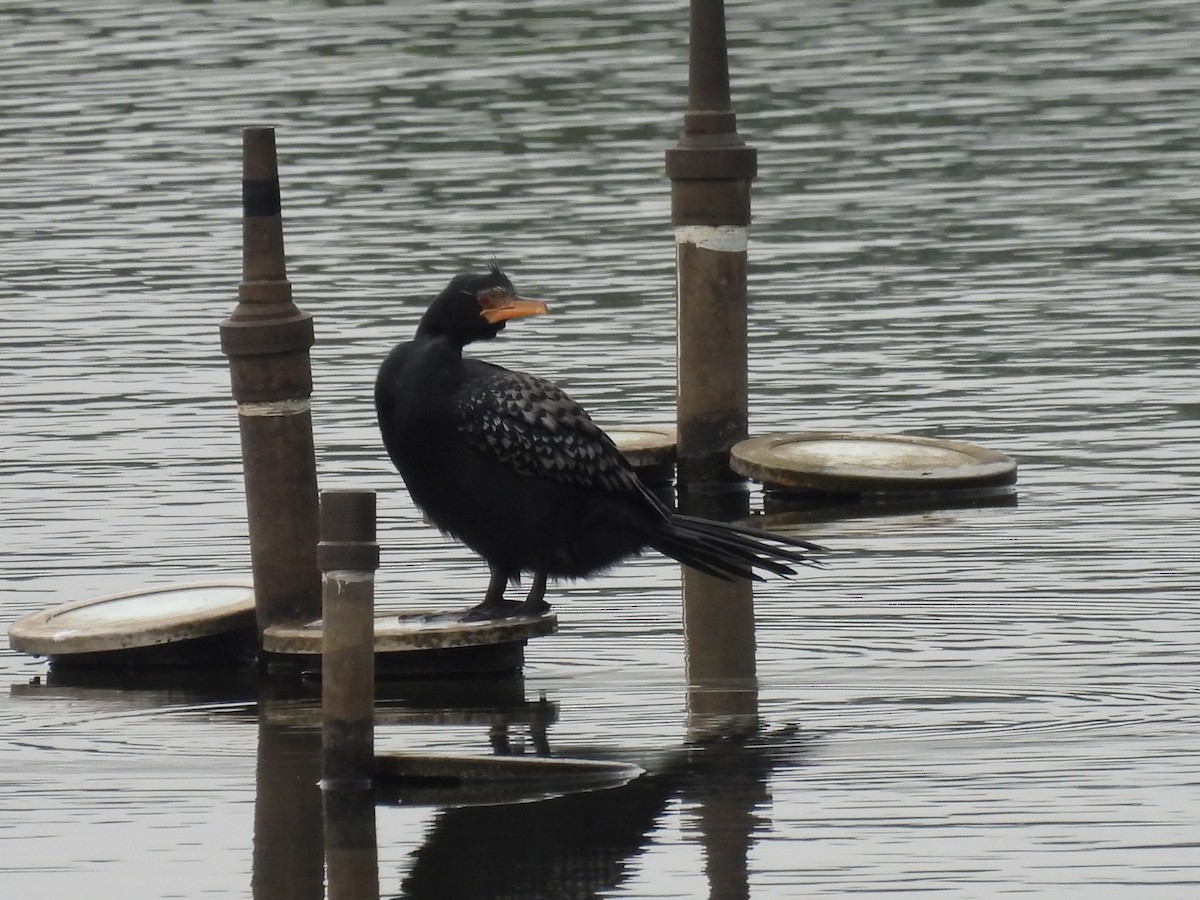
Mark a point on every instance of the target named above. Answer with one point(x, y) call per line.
point(535, 604)
point(494, 606)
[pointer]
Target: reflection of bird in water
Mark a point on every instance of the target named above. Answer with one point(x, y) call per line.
point(586, 845)
point(517, 470)
point(577, 845)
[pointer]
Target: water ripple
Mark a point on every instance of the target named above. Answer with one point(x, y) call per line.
point(971, 221)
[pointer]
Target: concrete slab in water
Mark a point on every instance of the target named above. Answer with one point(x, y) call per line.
point(136, 620)
point(644, 445)
point(416, 630)
point(424, 642)
point(869, 463)
point(467, 780)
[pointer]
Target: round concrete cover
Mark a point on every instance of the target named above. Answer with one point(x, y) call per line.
point(837, 461)
point(416, 630)
point(644, 445)
point(137, 619)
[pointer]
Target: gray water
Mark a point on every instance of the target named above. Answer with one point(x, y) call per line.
point(974, 221)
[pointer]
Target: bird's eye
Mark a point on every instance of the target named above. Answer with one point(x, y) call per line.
point(488, 297)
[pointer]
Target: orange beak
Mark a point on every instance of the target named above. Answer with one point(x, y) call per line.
point(512, 308)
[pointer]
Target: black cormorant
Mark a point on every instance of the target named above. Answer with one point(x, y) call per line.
point(517, 470)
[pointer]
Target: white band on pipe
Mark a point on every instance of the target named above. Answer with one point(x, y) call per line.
point(275, 408)
point(348, 576)
point(725, 238)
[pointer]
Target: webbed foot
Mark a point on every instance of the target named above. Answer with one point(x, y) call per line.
point(494, 606)
point(493, 609)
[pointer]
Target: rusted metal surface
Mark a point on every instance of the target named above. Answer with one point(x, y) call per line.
point(712, 396)
point(348, 532)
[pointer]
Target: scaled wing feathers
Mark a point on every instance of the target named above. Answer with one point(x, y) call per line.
point(533, 426)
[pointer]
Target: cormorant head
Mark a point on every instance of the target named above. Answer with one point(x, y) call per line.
point(475, 307)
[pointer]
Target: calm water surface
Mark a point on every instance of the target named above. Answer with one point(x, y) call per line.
point(972, 220)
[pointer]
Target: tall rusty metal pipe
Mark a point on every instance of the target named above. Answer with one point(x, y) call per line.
point(267, 340)
point(710, 170)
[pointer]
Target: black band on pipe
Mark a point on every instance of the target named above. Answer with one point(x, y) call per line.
point(260, 197)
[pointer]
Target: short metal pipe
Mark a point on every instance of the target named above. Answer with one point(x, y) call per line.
point(267, 340)
point(348, 557)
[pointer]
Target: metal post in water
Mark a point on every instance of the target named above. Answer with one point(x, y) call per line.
point(710, 170)
point(348, 556)
point(267, 339)
point(722, 708)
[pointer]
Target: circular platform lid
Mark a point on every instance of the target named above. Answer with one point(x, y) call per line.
point(644, 445)
point(143, 618)
point(865, 463)
point(416, 630)
point(489, 780)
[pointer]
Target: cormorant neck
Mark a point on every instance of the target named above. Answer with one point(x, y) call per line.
point(430, 331)
point(447, 340)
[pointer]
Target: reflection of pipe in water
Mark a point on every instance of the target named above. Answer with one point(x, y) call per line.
point(351, 848)
point(722, 690)
point(722, 706)
point(726, 785)
point(288, 842)
point(722, 710)
point(718, 635)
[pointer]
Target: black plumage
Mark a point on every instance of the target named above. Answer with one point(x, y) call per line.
point(518, 471)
